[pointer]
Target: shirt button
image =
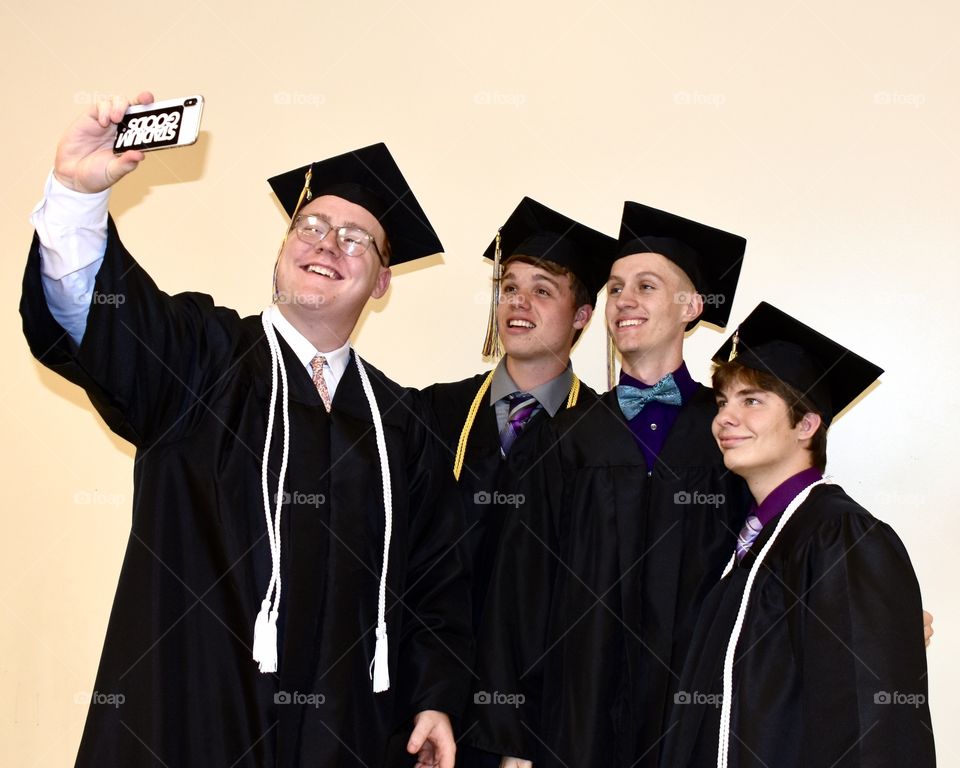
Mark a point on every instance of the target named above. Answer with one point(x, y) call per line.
point(653, 427)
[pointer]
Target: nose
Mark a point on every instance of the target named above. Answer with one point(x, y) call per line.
point(726, 416)
point(328, 243)
point(624, 299)
point(517, 299)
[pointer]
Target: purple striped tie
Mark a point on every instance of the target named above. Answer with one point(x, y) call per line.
point(522, 407)
point(751, 529)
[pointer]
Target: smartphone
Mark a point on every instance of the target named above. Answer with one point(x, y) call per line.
point(160, 125)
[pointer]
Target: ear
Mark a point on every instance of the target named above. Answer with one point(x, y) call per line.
point(582, 317)
point(383, 282)
point(807, 426)
point(693, 308)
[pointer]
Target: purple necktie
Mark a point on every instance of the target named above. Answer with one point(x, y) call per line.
point(751, 529)
point(522, 407)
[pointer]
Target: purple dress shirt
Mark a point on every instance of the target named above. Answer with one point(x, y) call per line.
point(652, 425)
point(780, 497)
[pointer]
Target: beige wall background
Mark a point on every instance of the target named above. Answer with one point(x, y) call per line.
point(826, 133)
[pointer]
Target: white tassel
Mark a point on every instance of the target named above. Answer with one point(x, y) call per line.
point(726, 706)
point(265, 627)
point(260, 631)
point(268, 644)
point(379, 669)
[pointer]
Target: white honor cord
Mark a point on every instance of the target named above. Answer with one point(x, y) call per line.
point(379, 667)
point(265, 627)
point(725, 706)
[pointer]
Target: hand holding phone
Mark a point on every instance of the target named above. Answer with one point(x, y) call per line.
point(160, 125)
point(86, 160)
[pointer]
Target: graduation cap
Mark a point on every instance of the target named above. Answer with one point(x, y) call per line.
point(829, 376)
point(541, 233)
point(368, 177)
point(710, 257)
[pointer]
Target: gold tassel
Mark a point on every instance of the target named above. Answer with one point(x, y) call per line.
point(305, 193)
point(611, 363)
point(475, 407)
point(491, 342)
point(733, 348)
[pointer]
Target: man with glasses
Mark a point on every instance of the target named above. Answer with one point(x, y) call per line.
point(291, 512)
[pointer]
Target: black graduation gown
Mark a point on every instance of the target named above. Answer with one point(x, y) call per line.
point(486, 498)
point(489, 497)
point(596, 588)
point(830, 667)
point(188, 384)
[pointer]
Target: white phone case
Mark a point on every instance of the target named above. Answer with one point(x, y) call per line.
point(160, 125)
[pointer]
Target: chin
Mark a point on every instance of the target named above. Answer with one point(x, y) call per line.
point(730, 461)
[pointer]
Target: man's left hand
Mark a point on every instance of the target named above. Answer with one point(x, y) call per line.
point(432, 740)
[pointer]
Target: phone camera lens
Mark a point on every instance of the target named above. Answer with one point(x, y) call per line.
point(189, 102)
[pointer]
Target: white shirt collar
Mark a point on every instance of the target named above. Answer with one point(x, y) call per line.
point(337, 359)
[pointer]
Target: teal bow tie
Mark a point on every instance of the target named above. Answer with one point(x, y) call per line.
point(633, 399)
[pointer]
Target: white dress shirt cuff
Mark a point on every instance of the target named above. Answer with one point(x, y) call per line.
point(72, 227)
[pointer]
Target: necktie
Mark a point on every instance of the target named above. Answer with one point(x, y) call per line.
point(633, 399)
point(319, 382)
point(522, 407)
point(751, 529)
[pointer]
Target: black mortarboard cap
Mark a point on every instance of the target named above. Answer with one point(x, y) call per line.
point(829, 376)
point(541, 233)
point(710, 257)
point(370, 178)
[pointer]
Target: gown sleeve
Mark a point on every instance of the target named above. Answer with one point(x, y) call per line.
point(148, 360)
point(437, 662)
point(861, 649)
point(513, 638)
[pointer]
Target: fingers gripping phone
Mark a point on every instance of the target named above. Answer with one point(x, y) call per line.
point(160, 125)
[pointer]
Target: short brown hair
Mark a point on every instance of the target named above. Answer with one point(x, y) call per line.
point(724, 376)
point(581, 294)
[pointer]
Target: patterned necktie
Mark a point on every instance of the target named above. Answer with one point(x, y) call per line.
point(522, 407)
point(319, 382)
point(633, 399)
point(751, 529)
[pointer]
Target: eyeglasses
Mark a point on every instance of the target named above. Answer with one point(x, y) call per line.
point(353, 241)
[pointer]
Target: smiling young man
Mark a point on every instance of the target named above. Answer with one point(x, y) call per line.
point(290, 508)
point(553, 269)
point(806, 653)
point(633, 512)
